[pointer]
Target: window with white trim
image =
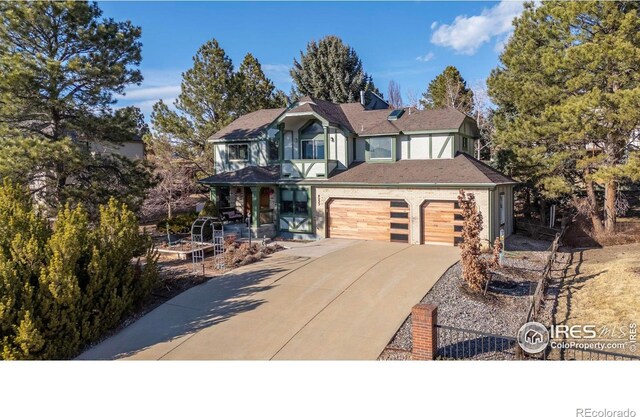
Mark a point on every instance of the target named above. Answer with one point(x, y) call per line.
point(503, 208)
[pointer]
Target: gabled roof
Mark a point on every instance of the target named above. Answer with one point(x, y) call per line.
point(249, 175)
point(352, 117)
point(331, 112)
point(248, 126)
point(463, 169)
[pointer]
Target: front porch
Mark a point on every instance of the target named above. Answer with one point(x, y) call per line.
point(247, 199)
point(244, 208)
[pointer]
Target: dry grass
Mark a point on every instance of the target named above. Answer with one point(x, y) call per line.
point(602, 287)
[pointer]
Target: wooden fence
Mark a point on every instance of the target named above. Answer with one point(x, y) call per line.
point(541, 287)
point(536, 230)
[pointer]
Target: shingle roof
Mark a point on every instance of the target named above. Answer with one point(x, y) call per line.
point(329, 111)
point(351, 116)
point(248, 126)
point(463, 169)
point(249, 175)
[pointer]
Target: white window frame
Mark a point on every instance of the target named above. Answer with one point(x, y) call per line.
point(502, 208)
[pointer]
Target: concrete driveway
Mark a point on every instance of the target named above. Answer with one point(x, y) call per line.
point(331, 299)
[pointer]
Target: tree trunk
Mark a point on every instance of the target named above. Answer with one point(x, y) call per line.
point(610, 191)
point(593, 209)
point(169, 211)
point(543, 211)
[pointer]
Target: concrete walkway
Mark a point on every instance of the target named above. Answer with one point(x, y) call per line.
point(332, 299)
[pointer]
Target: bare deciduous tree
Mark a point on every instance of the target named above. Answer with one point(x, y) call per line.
point(177, 180)
point(483, 114)
point(394, 95)
point(413, 100)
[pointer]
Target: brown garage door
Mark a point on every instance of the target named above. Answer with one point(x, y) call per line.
point(441, 223)
point(386, 220)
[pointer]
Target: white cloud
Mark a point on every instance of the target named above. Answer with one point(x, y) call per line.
point(468, 33)
point(425, 58)
point(158, 84)
point(146, 93)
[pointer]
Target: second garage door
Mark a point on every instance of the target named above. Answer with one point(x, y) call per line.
point(441, 223)
point(386, 220)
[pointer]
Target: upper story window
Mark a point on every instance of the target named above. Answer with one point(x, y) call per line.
point(239, 152)
point(380, 148)
point(273, 148)
point(312, 148)
point(312, 141)
point(465, 144)
point(313, 129)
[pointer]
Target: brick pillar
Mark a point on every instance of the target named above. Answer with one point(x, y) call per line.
point(424, 318)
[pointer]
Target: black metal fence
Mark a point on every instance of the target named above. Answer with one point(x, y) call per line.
point(584, 354)
point(455, 343)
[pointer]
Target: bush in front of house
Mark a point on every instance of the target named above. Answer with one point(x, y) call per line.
point(239, 254)
point(62, 286)
point(474, 268)
point(178, 224)
point(210, 209)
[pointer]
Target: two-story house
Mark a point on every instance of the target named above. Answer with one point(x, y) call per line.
point(318, 169)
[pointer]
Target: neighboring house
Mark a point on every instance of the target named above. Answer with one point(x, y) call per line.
point(132, 149)
point(317, 169)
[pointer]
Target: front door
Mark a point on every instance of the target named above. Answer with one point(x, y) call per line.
point(266, 212)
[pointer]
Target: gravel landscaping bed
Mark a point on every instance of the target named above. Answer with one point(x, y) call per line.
point(501, 311)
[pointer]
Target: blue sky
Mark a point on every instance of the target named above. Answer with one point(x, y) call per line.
point(409, 42)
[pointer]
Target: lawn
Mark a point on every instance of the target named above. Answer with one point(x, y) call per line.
point(602, 287)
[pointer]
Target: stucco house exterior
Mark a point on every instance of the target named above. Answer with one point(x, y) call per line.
point(317, 169)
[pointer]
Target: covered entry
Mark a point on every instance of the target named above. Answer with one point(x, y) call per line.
point(441, 223)
point(386, 220)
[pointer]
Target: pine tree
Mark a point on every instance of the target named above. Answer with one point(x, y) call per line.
point(330, 70)
point(568, 97)
point(32, 162)
point(61, 289)
point(23, 237)
point(254, 90)
point(59, 292)
point(114, 284)
point(448, 90)
point(61, 65)
point(204, 106)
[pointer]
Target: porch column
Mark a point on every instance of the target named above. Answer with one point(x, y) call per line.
point(281, 142)
point(255, 206)
point(326, 151)
point(213, 195)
